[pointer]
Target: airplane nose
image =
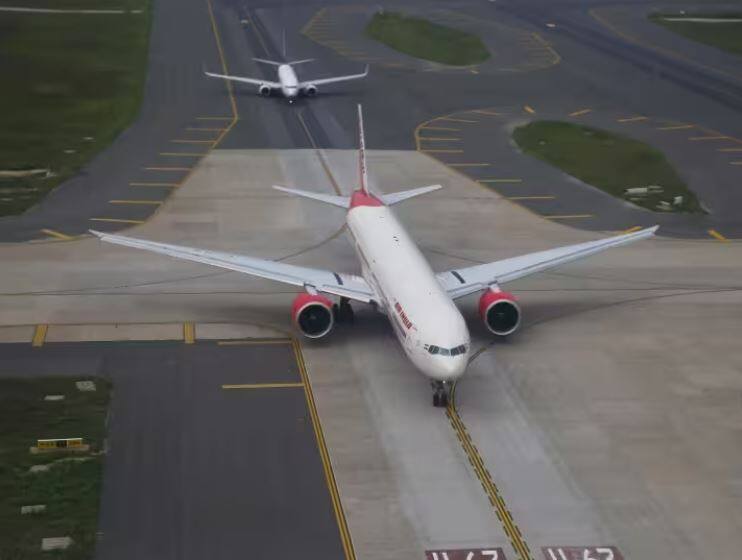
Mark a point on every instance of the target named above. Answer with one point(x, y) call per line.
point(450, 368)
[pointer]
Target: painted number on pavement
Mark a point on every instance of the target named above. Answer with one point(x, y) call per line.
point(466, 554)
point(582, 553)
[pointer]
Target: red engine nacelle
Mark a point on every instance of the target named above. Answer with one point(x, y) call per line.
point(312, 315)
point(500, 312)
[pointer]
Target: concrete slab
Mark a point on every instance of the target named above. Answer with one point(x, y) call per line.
point(23, 333)
point(142, 331)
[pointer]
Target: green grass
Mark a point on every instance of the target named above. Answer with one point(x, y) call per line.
point(724, 36)
point(70, 490)
point(607, 161)
point(68, 77)
point(423, 39)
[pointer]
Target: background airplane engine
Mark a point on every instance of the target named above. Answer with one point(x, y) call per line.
point(264, 90)
point(500, 312)
point(312, 315)
point(310, 90)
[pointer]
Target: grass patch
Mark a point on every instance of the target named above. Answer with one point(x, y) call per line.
point(607, 161)
point(422, 39)
point(70, 489)
point(726, 36)
point(74, 83)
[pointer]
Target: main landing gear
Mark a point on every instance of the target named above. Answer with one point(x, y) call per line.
point(343, 311)
point(441, 393)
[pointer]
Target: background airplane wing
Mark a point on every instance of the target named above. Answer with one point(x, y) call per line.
point(253, 81)
point(323, 81)
point(464, 281)
point(343, 285)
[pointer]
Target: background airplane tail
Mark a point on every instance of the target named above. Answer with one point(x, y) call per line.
point(362, 153)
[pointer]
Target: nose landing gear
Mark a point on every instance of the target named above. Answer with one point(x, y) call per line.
point(441, 393)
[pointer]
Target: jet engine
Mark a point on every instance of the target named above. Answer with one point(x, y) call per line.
point(500, 312)
point(264, 90)
point(312, 315)
point(310, 90)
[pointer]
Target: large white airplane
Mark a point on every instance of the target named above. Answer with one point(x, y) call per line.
point(397, 280)
point(288, 84)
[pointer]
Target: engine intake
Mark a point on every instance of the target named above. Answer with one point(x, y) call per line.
point(310, 90)
point(264, 90)
point(312, 315)
point(500, 312)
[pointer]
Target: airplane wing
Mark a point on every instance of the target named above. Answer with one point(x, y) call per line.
point(253, 81)
point(464, 281)
point(343, 285)
point(323, 81)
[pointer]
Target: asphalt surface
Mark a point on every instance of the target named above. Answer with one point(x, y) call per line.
point(194, 470)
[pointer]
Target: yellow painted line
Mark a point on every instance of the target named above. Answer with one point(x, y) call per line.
point(494, 496)
point(184, 154)
point(676, 127)
point(500, 181)
point(214, 118)
point(440, 128)
point(452, 119)
point(632, 229)
point(254, 341)
point(263, 386)
point(116, 220)
point(541, 197)
point(440, 139)
point(189, 332)
point(325, 456)
point(483, 112)
point(632, 119)
point(39, 335)
point(735, 163)
point(580, 112)
point(528, 109)
point(183, 141)
point(153, 184)
point(568, 216)
point(729, 149)
point(468, 164)
point(443, 151)
point(228, 84)
point(57, 234)
point(716, 235)
point(204, 129)
point(152, 202)
point(167, 169)
point(702, 138)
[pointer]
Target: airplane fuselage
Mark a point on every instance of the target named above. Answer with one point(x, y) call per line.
point(289, 82)
point(426, 321)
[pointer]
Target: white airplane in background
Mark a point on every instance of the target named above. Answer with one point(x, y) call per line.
point(397, 280)
point(288, 84)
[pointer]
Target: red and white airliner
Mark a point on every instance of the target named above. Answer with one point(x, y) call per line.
point(397, 280)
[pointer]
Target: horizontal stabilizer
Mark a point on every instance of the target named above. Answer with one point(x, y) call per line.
point(340, 201)
point(265, 61)
point(294, 62)
point(394, 198)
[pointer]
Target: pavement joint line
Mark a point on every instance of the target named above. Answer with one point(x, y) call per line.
point(580, 112)
point(528, 109)
point(702, 138)
point(500, 180)
point(490, 488)
point(261, 39)
point(184, 154)
point(676, 127)
point(638, 118)
point(57, 234)
point(120, 201)
point(540, 197)
point(189, 332)
point(39, 335)
point(254, 341)
point(263, 386)
point(320, 155)
point(135, 184)
point(567, 216)
point(167, 169)
point(116, 220)
point(716, 235)
point(345, 536)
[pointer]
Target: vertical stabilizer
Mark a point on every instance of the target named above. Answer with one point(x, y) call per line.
point(362, 152)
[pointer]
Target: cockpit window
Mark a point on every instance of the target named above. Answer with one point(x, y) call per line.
point(461, 349)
